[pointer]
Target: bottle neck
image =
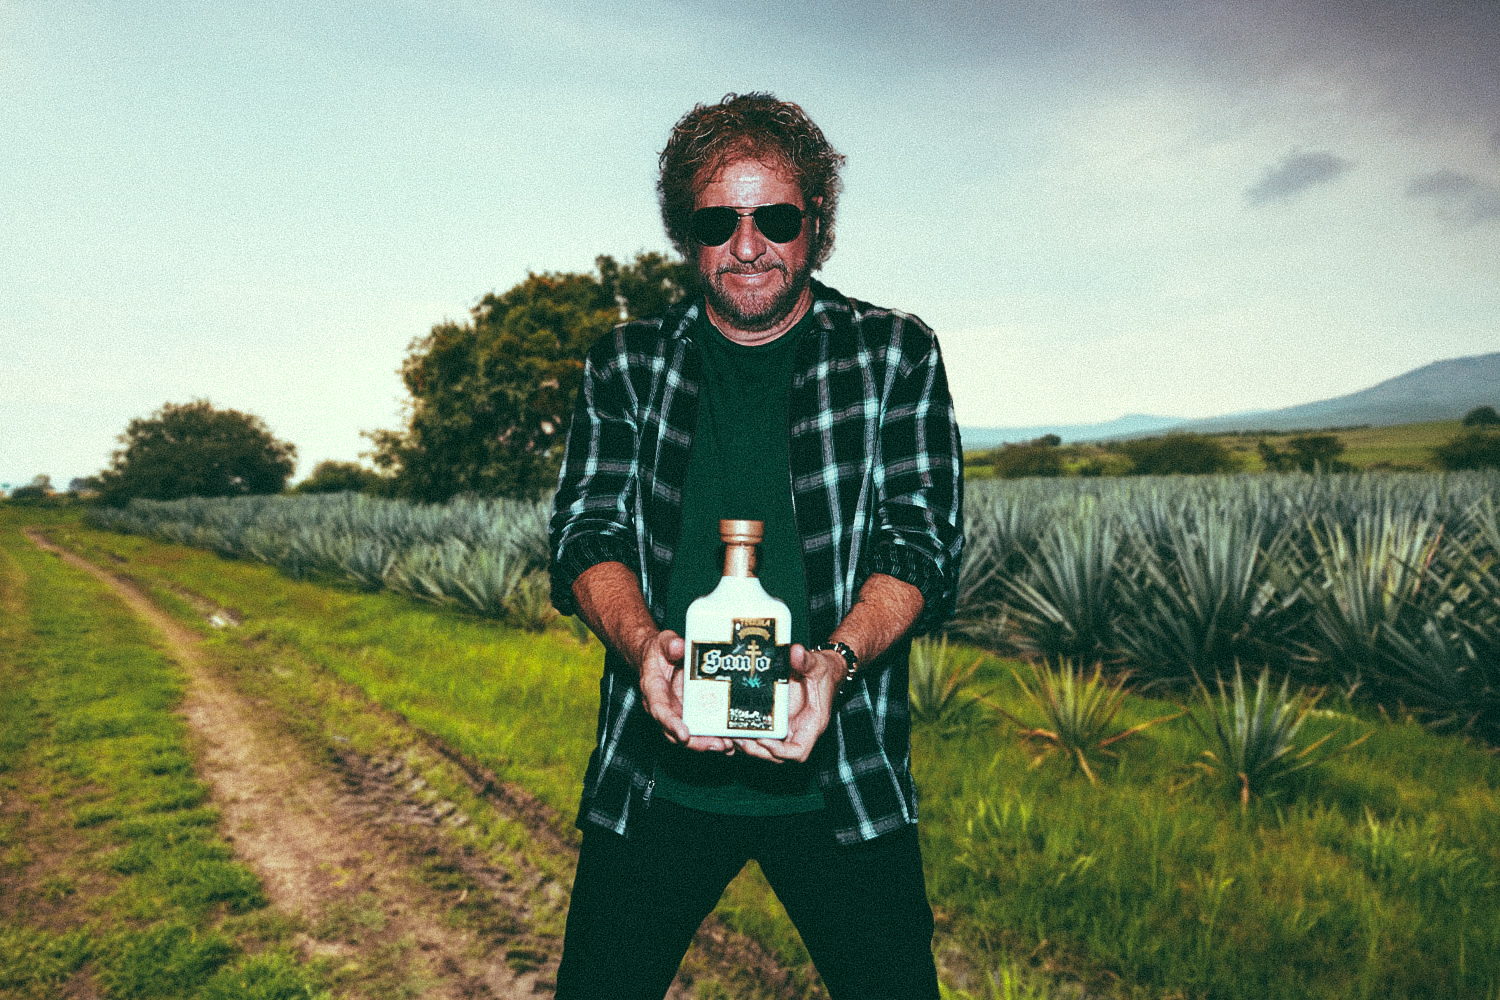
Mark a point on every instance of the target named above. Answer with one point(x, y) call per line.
point(739, 560)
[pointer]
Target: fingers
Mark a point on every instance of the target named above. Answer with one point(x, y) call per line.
point(789, 750)
point(661, 685)
point(664, 706)
point(798, 657)
point(761, 750)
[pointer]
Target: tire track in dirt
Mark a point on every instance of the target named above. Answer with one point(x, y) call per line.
point(327, 854)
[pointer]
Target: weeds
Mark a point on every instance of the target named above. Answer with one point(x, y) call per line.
point(939, 685)
point(1253, 743)
point(1078, 713)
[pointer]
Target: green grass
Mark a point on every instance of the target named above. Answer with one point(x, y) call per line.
point(1374, 874)
point(108, 858)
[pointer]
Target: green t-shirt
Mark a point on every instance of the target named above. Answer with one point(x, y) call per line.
point(739, 468)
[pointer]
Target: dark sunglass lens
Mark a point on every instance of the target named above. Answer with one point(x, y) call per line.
point(779, 223)
point(713, 226)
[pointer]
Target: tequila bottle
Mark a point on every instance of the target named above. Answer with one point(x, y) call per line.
point(738, 641)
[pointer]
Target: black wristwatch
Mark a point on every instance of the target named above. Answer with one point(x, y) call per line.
point(851, 661)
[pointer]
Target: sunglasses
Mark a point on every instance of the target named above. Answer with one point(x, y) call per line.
point(714, 226)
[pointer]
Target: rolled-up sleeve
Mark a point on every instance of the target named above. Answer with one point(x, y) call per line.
point(591, 511)
point(918, 532)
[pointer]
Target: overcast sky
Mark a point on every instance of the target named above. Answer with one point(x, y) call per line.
point(1103, 208)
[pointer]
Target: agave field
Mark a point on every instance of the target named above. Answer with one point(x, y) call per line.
point(488, 555)
point(1386, 586)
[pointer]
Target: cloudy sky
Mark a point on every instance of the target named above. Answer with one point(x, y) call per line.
point(1103, 208)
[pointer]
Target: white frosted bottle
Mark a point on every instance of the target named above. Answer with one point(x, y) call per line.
point(738, 654)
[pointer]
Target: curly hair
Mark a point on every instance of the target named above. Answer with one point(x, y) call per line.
point(748, 125)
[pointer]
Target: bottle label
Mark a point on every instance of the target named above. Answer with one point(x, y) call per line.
point(751, 664)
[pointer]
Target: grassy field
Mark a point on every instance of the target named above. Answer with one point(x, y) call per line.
point(109, 858)
point(1375, 874)
point(1404, 446)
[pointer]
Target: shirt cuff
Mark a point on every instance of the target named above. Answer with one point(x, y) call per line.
point(909, 565)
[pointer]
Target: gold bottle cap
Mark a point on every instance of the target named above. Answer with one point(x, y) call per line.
point(735, 532)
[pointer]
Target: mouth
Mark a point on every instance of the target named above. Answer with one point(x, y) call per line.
point(750, 275)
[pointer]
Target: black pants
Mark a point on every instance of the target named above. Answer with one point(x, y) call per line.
point(861, 909)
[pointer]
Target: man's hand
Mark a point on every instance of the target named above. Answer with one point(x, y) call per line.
point(815, 680)
point(660, 661)
point(609, 597)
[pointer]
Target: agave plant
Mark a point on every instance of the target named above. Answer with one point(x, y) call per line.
point(1253, 742)
point(1077, 712)
point(1066, 604)
point(529, 605)
point(1448, 670)
point(1368, 581)
point(939, 684)
point(484, 580)
point(1211, 602)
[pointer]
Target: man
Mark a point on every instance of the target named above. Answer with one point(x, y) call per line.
point(772, 397)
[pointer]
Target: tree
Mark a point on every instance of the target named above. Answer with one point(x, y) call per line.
point(1319, 452)
point(39, 489)
point(1275, 459)
point(340, 477)
point(193, 449)
point(1470, 450)
point(1015, 461)
point(1482, 416)
point(491, 398)
point(1307, 453)
point(1178, 453)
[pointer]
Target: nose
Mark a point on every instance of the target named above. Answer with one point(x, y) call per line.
point(747, 243)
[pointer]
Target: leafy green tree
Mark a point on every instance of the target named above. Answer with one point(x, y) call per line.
point(1470, 450)
point(1015, 461)
point(1305, 453)
point(1275, 459)
point(193, 449)
point(339, 477)
point(1318, 452)
point(1482, 416)
point(491, 398)
point(1178, 454)
point(39, 489)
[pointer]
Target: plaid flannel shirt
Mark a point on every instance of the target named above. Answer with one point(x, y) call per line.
point(877, 487)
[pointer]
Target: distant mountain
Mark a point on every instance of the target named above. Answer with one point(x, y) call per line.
point(1130, 425)
point(1443, 390)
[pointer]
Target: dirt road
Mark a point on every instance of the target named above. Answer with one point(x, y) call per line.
point(336, 847)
